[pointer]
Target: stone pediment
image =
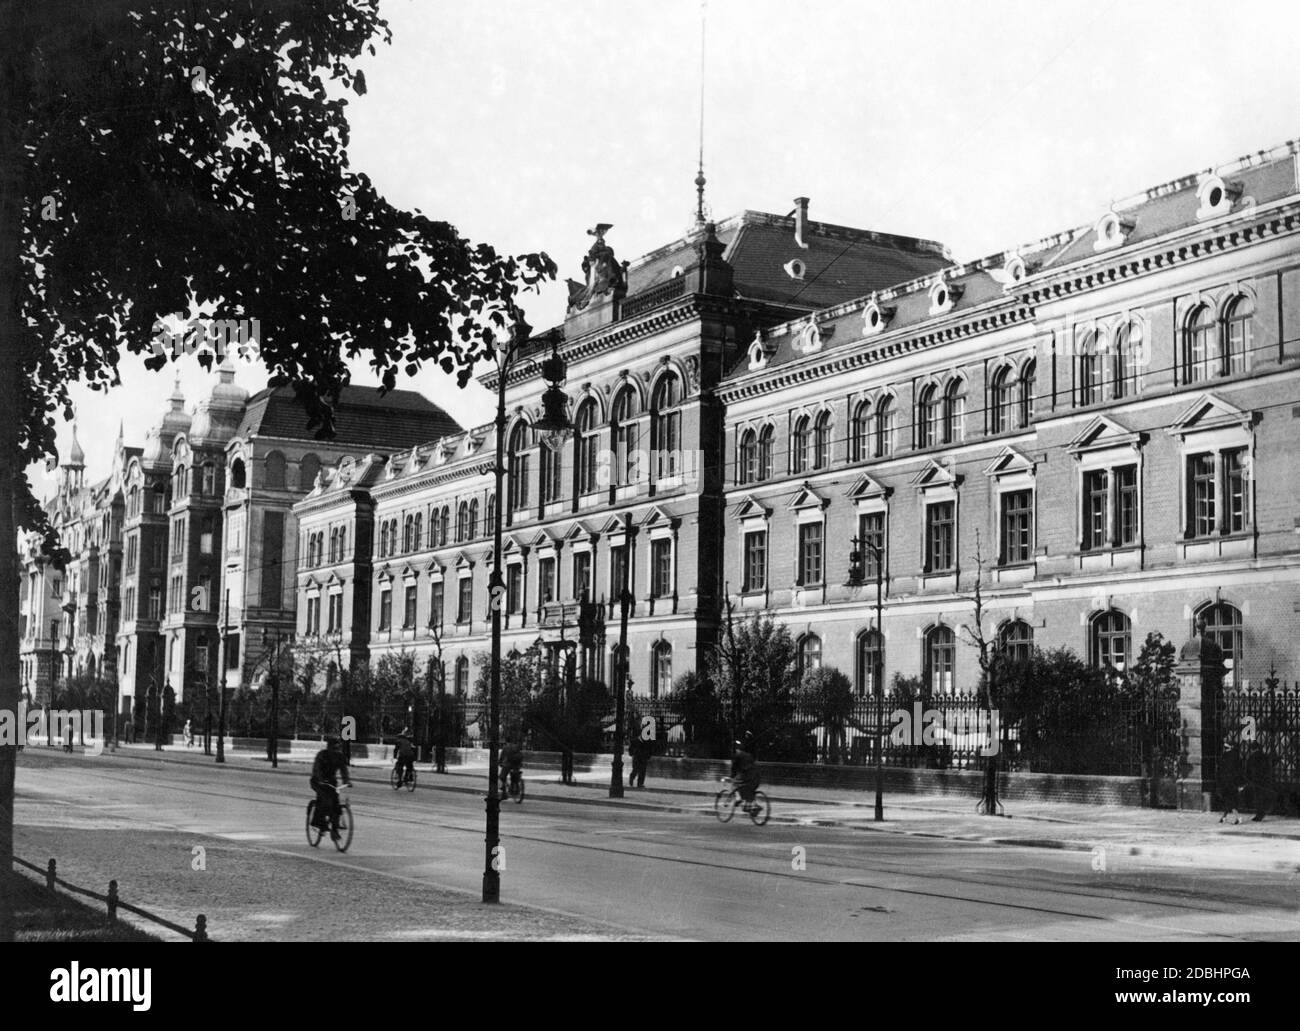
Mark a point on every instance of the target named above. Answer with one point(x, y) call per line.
point(1209, 412)
point(865, 487)
point(658, 516)
point(806, 497)
point(1010, 462)
point(1102, 433)
point(936, 474)
point(751, 508)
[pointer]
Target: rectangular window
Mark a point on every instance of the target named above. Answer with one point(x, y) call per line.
point(131, 544)
point(1235, 491)
point(661, 568)
point(465, 600)
point(201, 655)
point(336, 613)
point(155, 602)
point(1200, 475)
point(1126, 515)
point(130, 605)
point(205, 536)
point(514, 587)
point(1094, 509)
point(385, 609)
point(871, 540)
point(582, 574)
point(616, 571)
point(545, 581)
point(755, 561)
point(313, 612)
point(408, 616)
point(939, 552)
point(435, 603)
point(1017, 526)
point(810, 554)
point(272, 560)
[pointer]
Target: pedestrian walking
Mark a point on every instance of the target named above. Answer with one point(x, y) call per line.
point(640, 749)
point(1230, 781)
point(1259, 776)
point(188, 733)
point(67, 736)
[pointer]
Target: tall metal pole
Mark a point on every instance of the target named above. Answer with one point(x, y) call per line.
point(221, 679)
point(620, 676)
point(275, 704)
point(880, 685)
point(496, 588)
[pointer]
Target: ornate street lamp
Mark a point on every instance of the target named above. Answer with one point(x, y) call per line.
point(855, 577)
point(555, 428)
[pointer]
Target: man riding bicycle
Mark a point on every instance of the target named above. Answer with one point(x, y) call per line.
point(512, 764)
point(405, 754)
point(744, 772)
point(329, 765)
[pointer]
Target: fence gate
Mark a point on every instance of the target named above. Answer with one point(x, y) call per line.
point(1270, 717)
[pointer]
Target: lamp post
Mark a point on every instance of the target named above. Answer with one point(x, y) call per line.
point(621, 664)
point(855, 576)
point(272, 668)
point(554, 425)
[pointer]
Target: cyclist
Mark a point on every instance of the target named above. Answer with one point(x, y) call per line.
point(405, 753)
point(744, 772)
point(512, 764)
point(329, 765)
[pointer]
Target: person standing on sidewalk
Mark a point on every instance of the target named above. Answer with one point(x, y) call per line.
point(1230, 780)
point(1259, 775)
point(640, 749)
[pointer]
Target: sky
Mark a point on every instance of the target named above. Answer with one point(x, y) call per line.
point(983, 124)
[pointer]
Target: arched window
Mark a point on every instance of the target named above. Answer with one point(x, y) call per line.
point(308, 467)
point(871, 660)
point(418, 533)
point(408, 527)
point(747, 467)
point(444, 525)
point(765, 437)
point(954, 411)
point(462, 522)
point(799, 445)
point(1111, 640)
point(1198, 346)
point(940, 660)
point(585, 447)
point(237, 477)
point(209, 479)
point(885, 427)
point(1121, 367)
point(927, 416)
point(626, 436)
point(667, 426)
point(273, 471)
point(1089, 366)
point(133, 502)
point(462, 676)
point(179, 487)
point(661, 670)
point(552, 463)
point(383, 540)
point(1016, 640)
point(490, 521)
point(1223, 626)
point(473, 519)
point(1238, 318)
point(1027, 392)
point(810, 654)
point(1000, 401)
point(859, 431)
point(343, 543)
point(520, 442)
point(821, 455)
point(334, 545)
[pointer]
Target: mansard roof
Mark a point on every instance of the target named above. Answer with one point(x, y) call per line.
point(395, 421)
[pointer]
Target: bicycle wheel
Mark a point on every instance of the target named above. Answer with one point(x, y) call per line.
point(724, 806)
point(345, 828)
point(395, 778)
point(313, 833)
point(410, 779)
point(761, 810)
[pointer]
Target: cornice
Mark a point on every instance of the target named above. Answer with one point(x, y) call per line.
point(401, 486)
point(880, 349)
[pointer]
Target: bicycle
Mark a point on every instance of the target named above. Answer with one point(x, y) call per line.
point(514, 788)
point(397, 780)
point(345, 824)
point(728, 799)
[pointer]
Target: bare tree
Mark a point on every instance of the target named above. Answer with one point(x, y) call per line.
point(989, 651)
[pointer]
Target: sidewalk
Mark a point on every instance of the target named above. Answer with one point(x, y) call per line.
point(1116, 837)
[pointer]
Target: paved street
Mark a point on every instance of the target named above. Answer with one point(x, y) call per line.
point(577, 866)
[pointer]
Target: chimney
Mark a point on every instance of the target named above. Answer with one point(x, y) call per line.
point(800, 220)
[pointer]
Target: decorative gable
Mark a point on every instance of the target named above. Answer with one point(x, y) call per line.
point(1208, 413)
point(867, 489)
point(581, 531)
point(936, 474)
point(1010, 462)
point(660, 517)
point(760, 350)
point(751, 508)
point(807, 498)
point(1101, 434)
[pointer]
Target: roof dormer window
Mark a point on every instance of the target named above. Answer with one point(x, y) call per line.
point(1014, 269)
point(1112, 231)
point(795, 269)
point(875, 318)
point(943, 295)
point(1215, 197)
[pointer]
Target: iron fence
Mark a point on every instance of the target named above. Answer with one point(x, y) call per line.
point(1267, 717)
